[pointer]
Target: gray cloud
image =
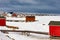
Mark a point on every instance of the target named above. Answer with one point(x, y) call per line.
point(30, 5)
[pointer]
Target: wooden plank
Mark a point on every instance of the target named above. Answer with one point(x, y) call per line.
point(46, 33)
point(13, 27)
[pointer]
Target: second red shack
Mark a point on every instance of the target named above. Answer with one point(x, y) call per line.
point(54, 28)
point(30, 18)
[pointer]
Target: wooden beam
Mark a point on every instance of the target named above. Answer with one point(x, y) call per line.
point(13, 27)
point(46, 33)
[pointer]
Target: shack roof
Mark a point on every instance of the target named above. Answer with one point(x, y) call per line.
point(54, 23)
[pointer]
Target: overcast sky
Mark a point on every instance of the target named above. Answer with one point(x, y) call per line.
point(39, 6)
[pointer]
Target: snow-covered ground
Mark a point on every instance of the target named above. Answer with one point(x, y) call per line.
point(31, 37)
point(14, 18)
point(4, 37)
point(34, 26)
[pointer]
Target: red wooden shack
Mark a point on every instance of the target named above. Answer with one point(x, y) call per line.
point(30, 18)
point(2, 21)
point(54, 28)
